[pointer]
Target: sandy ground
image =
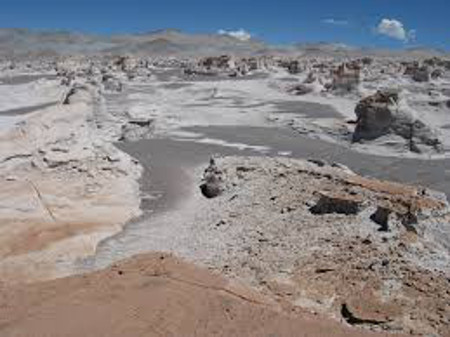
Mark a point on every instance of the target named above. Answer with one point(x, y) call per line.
point(153, 295)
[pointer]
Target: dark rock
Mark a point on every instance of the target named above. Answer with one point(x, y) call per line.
point(334, 203)
point(378, 115)
point(136, 129)
point(318, 162)
point(367, 61)
point(375, 115)
point(346, 77)
point(421, 74)
point(300, 89)
point(75, 93)
point(294, 67)
point(381, 217)
point(311, 78)
point(436, 73)
point(211, 185)
point(352, 319)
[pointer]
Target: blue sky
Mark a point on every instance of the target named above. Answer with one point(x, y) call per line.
point(353, 22)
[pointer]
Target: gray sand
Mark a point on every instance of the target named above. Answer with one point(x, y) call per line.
point(24, 79)
point(176, 85)
point(307, 109)
point(26, 110)
point(169, 165)
point(428, 173)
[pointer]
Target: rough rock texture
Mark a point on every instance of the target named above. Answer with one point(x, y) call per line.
point(383, 113)
point(211, 185)
point(341, 260)
point(153, 295)
point(421, 74)
point(136, 129)
point(300, 89)
point(77, 94)
point(346, 77)
point(111, 84)
point(375, 115)
point(64, 189)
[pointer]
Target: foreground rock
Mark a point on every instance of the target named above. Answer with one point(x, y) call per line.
point(150, 296)
point(64, 189)
point(370, 252)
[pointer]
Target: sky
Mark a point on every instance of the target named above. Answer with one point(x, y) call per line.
point(370, 23)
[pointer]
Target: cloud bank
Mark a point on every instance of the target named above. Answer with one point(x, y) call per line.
point(240, 34)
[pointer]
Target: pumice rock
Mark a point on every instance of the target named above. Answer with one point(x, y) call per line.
point(346, 77)
point(375, 115)
point(385, 113)
point(211, 186)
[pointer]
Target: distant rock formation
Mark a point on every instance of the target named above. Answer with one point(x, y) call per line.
point(375, 115)
point(383, 113)
point(421, 74)
point(346, 77)
point(76, 94)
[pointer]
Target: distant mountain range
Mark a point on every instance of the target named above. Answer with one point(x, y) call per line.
point(17, 42)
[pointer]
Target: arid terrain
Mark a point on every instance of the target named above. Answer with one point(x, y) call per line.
point(168, 184)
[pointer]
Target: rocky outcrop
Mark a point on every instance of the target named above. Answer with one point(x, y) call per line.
point(300, 89)
point(384, 113)
point(78, 93)
point(362, 249)
point(416, 72)
point(136, 129)
point(375, 115)
point(111, 84)
point(421, 74)
point(220, 62)
point(71, 188)
point(346, 77)
point(337, 203)
point(436, 73)
point(293, 67)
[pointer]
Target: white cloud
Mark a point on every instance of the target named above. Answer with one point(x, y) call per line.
point(335, 22)
point(395, 29)
point(240, 34)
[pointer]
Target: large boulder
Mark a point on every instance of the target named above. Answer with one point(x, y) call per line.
point(111, 84)
point(294, 67)
point(421, 74)
point(375, 115)
point(384, 113)
point(418, 73)
point(437, 73)
point(346, 77)
point(136, 129)
point(300, 89)
point(76, 94)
